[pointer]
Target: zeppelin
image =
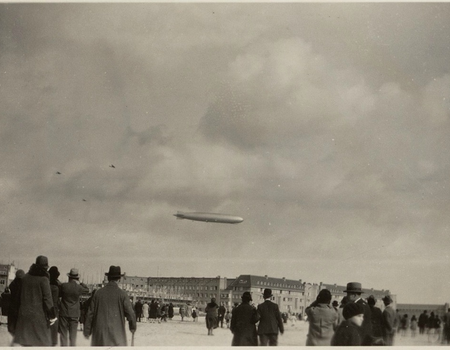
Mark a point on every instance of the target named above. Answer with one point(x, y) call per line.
point(210, 217)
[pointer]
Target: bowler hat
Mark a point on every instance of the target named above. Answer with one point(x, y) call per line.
point(247, 296)
point(267, 293)
point(73, 273)
point(114, 271)
point(387, 299)
point(352, 309)
point(42, 261)
point(354, 287)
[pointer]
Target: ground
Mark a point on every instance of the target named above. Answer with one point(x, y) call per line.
point(188, 333)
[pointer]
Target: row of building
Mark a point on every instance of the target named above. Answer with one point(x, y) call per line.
point(292, 296)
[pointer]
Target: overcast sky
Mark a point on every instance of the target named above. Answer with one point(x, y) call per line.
point(325, 126)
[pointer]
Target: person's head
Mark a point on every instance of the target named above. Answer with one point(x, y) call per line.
point(371, 300)
point(324, 297)
point(20, 273)
point(335, 303)
point(213, 300)
point(246, 297)
point(54, 273)
point(267, 294)
point(73, 274)
point(387, 300)
point(344, 301)
point(353, 291)
point(42, 262)
point(114, 273)
point(354, 313)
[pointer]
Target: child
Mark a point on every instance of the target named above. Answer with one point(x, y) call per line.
point(347, 333)
point(228, 318)
point(194, 314)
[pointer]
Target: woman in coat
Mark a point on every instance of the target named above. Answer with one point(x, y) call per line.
point(322, 320)
point(243, 323)
point(211, 317)
point(36, 312)
point(55, 287)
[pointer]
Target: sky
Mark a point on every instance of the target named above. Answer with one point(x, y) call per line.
point(325, 126)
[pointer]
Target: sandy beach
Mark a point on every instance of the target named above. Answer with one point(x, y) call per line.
point(176, 333)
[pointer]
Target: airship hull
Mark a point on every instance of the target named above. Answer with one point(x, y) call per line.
point(210, 217)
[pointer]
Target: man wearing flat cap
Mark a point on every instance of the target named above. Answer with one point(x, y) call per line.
point(243, 323)
point(389, 316)
point(105, 318)
point(270, 322)
point(69, 312)
point(354, 291)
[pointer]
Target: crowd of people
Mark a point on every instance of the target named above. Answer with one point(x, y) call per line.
point(41, 309)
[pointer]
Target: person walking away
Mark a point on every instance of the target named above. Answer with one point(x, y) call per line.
point(243, 323)
point(354, 291)
point(322, 320)
point(170, 311)
point(36, 312)
point(270, 322)
point(5, 301)
point(422, 323)
point(348, 333)
point(228, 318)
point(105, 319)
point(446, 328)
point(138, 310)
point(404, 325)
point(69, 312)
point(146, 312)
point(376, 318)
point(13, 311)
point(221, 314)
point(389, 317)
point(182, 311)
point(55, 288)
point(413, 326)
point(194, 315)
point(211, 311)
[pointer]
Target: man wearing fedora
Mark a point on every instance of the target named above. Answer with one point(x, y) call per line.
point(105, 318)
point(388, 325)
point(69, 312)
point(270, 322)
point(354, 291)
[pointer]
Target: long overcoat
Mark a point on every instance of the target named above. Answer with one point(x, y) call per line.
point(105, 318)
point(36, 307)
point(322, 320)
point(243, 325)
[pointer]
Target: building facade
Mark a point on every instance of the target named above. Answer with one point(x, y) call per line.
point(7, 275)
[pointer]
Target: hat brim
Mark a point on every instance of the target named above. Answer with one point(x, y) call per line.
point(73, 276)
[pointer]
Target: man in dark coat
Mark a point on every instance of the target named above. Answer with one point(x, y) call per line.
point(377, 317)
point(13, 311)
point(423, 320)
point(243, 320)
point(36, 312)
point(270, 322)
point(69, 313)
point(221, 312)
point(354, 291)
point(105, 318)
point(5, 301)
point(389, 317)
point(138, 310)
point(55, 287)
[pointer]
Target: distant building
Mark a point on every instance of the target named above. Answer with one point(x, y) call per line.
point(7, 275)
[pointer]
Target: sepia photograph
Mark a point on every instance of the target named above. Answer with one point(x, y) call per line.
point(224, 174)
